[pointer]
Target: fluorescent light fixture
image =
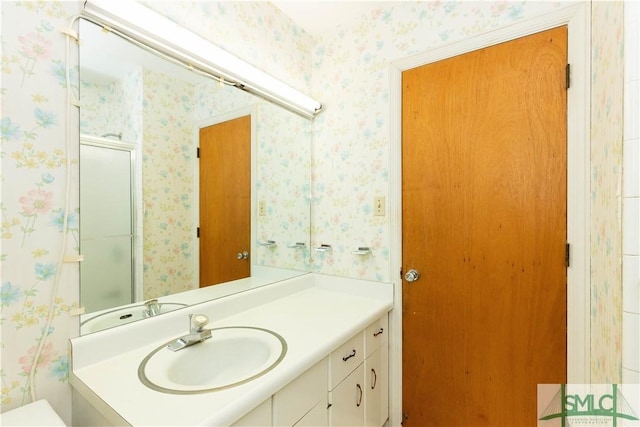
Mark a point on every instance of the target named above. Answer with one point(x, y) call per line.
point(150, 28)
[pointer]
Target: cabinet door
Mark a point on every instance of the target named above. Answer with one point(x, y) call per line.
point(298, 397)
point(377, 387)
point(347, 400)
point(260, 416)
point(316, 417)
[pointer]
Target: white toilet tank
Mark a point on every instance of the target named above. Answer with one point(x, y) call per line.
point(38, 413)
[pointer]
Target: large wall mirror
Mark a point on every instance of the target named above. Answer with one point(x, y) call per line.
point(185, 183)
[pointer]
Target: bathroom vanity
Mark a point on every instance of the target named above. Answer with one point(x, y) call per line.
point(330, 365)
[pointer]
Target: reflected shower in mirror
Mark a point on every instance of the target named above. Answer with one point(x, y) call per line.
point(161, 165)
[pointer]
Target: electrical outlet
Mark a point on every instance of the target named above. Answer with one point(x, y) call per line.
point(262, 208)
point(379, 207)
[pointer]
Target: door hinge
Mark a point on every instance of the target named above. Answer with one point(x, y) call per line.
point(405, 417)
point(567, 254)
point(198, 232)
point(198, 152)
point(568, 75)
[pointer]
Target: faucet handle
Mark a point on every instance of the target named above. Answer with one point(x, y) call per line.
point(151, 303)
point(152, 308)
point(198, 321)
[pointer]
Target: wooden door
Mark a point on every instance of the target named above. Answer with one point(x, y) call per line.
point(484, 224)
point(225, 201)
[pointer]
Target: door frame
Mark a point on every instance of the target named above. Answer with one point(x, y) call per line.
point(251, 111)
point(577, 17)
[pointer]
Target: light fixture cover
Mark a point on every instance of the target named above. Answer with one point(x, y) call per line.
point(148, 27)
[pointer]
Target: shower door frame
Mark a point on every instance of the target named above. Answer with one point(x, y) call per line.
point(137, 292)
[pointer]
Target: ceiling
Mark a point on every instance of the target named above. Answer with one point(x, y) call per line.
point(318, 17)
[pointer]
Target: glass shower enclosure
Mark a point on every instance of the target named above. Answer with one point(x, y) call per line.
point(107, 223)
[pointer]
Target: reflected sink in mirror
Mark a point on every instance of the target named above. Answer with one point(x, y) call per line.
point(232, 356)
point(122, 316)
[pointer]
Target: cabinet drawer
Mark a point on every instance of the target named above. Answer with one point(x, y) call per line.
point(376, 334)
point(292, 402)
point(345, 359)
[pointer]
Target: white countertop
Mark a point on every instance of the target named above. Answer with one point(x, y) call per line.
point(313, 313)
point(260, 276)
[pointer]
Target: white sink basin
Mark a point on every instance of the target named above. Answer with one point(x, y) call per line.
point(122, 316)
point(232, 356)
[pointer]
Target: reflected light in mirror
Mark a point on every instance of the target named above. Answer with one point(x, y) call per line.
point(141, 23)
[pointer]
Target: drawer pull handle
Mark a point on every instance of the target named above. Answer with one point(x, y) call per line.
point(375, 379)
point(359, 395)
point(349, 356)
point(381, 330)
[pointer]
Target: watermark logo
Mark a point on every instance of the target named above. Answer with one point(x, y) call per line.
point(610, 405)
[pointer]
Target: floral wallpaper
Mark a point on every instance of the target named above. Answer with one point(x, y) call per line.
point(167, 175)
point(606, 173)
point(283, 183)
point(101, 105)
point(347, 70)
point(34, 170)
point(113, 107)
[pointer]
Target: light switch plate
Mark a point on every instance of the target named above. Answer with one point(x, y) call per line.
point(379, 207)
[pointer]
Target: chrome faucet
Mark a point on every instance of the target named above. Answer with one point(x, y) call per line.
point(196, 334)
point(152, 308)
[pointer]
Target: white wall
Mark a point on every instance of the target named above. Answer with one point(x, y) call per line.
point(631, 199)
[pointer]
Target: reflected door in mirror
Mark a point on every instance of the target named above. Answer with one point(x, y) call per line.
point(225, 201)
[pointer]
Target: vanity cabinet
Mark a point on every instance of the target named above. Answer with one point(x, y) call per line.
point(348, 388)
point(322, 372)
point(358, 387)
point(304, 400)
